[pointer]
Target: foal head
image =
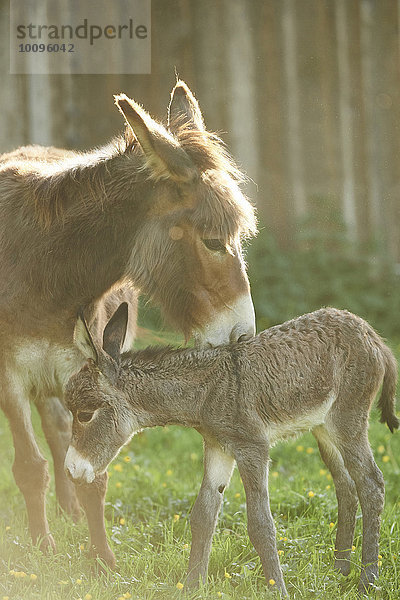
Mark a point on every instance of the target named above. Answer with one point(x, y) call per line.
point(187, 254)
point(103, 418)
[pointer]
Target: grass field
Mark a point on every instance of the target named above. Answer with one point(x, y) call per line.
point(152, 487)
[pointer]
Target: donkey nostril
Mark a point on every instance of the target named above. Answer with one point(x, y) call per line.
point(244, 337)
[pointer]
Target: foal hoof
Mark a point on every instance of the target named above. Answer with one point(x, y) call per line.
point(367, 583)
point(342, 566)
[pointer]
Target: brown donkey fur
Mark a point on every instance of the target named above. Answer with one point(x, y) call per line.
point(319, 372)
point(158, 211)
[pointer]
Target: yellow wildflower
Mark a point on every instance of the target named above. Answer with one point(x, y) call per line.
point(169, 473)
point(271, 582)
point(381, 449)
point(179, 585)
point(122, 521)
point(118, 484)
point(88, 597)
point(281, 552)
point(228, 575)
point(385, 458)
point(176, 518)
point(311, 494)
point(237, 495)
point(118, 468)
point(299, 449)
point(79, 581)
point(310, 450)
point(322, 471)
point(331, 525)
point(127, 459)
point(33, 577)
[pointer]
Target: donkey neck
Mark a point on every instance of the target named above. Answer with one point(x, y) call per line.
point(71, 223)
point(174, 385)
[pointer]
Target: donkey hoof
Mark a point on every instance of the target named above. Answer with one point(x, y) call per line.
point(47, 544)
point(105, 559)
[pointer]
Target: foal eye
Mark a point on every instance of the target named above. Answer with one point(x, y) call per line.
point(84, 417)
point(214, 244)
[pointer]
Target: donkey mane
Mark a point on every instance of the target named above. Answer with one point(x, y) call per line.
point(77, 175)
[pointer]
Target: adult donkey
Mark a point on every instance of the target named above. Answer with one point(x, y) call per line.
point(157, 210)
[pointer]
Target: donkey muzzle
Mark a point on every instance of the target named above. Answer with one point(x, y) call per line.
point(78, 468)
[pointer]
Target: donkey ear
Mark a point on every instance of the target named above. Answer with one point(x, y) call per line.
point(165, 157)
point(184, 109)
point(115, 331)
point(83, 340)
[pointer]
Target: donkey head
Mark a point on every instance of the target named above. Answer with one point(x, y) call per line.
point(187, 254)
point(103, 419)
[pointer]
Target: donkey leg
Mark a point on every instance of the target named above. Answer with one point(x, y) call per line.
point(30, 469)
point(56, 424)
point(358, 458)
point(218, 468)
point(252, 462)
point(346, 495)
point(91, 497)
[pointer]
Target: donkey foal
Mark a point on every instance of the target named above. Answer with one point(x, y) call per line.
point(319, 372)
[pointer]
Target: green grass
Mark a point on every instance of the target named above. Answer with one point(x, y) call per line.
point(152, 488)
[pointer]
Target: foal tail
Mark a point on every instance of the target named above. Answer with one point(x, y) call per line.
point(387, 400)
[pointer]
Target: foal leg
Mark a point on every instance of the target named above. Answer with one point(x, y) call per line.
point(346, 495)
point(358, 458)
point(56, 424)
point(218, 468)
point(252, 462)
point(91, 497)
point(30, 469)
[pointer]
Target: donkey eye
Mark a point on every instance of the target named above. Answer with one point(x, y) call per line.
point(214, 245)
point(84, 416)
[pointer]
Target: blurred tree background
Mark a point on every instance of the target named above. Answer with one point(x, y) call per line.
point(306, 94)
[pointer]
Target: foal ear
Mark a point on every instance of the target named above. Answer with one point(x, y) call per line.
point(83, 340)
point(165, 157)
point(184, 109)
point(115, 331)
